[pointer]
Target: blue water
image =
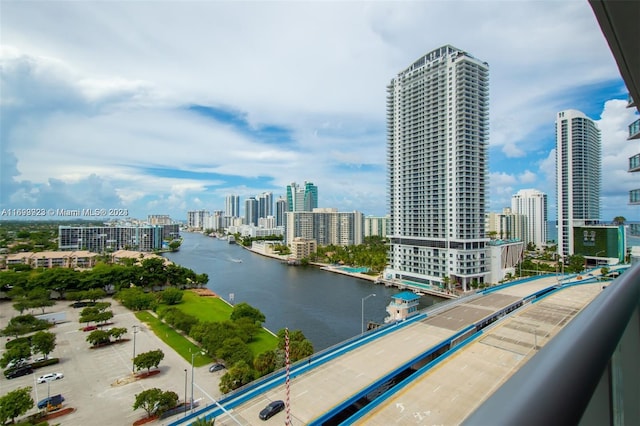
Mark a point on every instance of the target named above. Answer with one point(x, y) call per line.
point(326, 306)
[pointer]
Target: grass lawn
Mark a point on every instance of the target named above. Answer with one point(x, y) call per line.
point(177, 341)
point(211, 309)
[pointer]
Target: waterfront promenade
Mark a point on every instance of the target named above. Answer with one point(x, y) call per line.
point(377, 279)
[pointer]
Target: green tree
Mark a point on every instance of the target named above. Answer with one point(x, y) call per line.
point(234, 350)
point(171, 296)
point(148, 400)
point(202, 421)
point(575, 263)
point(43, 342)
point(244, 310)
point(238, 375)
point(15, 403)
point(24, 324)
point(265, 363)
point(95, 294)
point(15, 354)
point(136, 299)
point(117, 332)
point(148, 360)
point(247, 328)
point(299, 346)
point(166, 402)
point(619, 220)
point(300, 349)
point(98, 337)
point(175, 245)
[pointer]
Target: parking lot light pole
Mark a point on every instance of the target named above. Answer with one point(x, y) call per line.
point(133, 361)
point(363, 299)
point(192, 355)
point(185, 392)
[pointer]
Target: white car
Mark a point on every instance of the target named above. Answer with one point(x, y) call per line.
point(49, 377)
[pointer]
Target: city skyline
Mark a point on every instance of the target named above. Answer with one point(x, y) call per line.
point(153, 114)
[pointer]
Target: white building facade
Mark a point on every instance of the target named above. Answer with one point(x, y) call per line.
point(578, 175)
point(437, 142)
point(326, 226)
point(532, 204)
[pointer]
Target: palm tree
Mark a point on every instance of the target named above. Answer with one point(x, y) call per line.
point(202, 421)
point(619, 220)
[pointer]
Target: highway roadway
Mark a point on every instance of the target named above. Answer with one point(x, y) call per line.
point(463, 380)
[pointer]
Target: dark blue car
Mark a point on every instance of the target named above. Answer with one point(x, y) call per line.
point(272, 409)
point(53, 400)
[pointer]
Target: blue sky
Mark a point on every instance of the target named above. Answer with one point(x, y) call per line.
point(160, 107)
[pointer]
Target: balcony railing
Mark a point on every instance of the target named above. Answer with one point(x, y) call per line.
point(634, 130)
point(634, 163)
point(634, 196)
point(588, 374)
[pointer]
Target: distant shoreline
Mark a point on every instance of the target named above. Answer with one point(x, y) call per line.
point(322, 266)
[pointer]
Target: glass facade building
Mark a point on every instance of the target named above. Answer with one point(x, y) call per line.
point(578, 175)
point(437, 142)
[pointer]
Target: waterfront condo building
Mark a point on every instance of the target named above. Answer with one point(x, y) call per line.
point(232, 206)
point(326, 226)
point(281, 209)
point(437, 142)
point(532, 204)
point(578, 176)
point(504, 226)
point(302, 199)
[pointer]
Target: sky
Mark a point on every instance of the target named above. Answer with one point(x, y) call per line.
point(160, 107)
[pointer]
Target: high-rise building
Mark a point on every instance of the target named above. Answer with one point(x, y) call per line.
point(532, 204)
point(505, 226)
point(232, 206)
point(437, 142)
point(196, 218)
point(251, 211)
point(326, 226)
point(281, 208)
point(376, 226)
point(302, 199)
point(578, 175)
point(265, 204)
point(109, 238)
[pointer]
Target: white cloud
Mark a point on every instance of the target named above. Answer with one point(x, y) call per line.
point(94, 95)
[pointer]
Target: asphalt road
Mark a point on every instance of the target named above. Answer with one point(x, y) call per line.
point(98, 383)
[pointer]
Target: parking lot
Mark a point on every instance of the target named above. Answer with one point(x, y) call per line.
point(98, 382)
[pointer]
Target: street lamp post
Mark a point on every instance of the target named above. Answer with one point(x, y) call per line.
point(192, 355)
point(133, 361)
point(362, 320)
point(185, 392)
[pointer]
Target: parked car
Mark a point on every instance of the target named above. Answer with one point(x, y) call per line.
point(17, 363)
point(272, 409)
point(48, 377)
point(216, 367)
point(90, 328)
point(23, 370)
point(53, 400)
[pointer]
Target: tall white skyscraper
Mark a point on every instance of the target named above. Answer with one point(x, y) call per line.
point(265, 204)
point(578, 175)
point(302, 199)
point(232, 206)
point(437, 141)
point(251, 211)
point(532, 204)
